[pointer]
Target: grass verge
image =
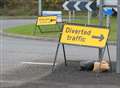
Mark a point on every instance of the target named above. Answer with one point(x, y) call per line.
point(28, 29)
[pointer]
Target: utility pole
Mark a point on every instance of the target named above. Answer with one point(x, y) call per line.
point(100, 24)
point(39, 7)
point(118, 40)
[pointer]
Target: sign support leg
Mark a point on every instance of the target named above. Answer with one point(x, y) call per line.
point(34, 31)
point(108, 51)
point(64, 54)
point(55, 56)
point(40, 29)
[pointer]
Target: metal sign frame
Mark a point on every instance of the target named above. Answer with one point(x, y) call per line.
point(38, 27)
point(58, 14)
point(64, 52)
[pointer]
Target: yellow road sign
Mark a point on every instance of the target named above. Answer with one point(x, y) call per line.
point(84, 35)
point(46, 20)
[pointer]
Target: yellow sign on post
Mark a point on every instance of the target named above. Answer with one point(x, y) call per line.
point(84, 35)
point(46, 20)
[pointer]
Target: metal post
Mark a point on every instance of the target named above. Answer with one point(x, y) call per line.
point(39, 7)
point(64, 54)
point(89, 17)
point(69, 16)
point(73, 12)
point(73, 15)
point(108, 21)
point(118, 40)
point(100, 24)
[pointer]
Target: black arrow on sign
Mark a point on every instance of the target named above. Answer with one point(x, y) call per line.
point(100, 37)
point(53, 20)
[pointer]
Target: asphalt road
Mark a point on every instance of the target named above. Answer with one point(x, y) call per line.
point(15, 22)
point(27, 56)
point(21, 50)
point(27, 63)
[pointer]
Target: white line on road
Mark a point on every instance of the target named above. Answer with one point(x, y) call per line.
point(11, 81)
point(37, 63)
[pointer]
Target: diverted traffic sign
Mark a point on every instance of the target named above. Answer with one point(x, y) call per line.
point(53, 13)
point(84, 35)
point(46, 20)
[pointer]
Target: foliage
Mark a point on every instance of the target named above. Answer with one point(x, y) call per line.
point(27, 7)
point(53, 4)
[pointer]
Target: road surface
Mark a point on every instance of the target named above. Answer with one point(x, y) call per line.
point(19, 54)
point(14, 22)
point(24, 62)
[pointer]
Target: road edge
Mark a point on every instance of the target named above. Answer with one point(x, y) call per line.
point(27, 37)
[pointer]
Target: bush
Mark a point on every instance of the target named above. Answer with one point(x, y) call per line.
point(27, 7)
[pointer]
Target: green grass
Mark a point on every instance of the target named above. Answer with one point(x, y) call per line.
point(28, 29)
point(113, 26)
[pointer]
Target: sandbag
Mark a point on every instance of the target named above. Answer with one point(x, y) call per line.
point(101, 67)
point(95, 66)
point(86, 65)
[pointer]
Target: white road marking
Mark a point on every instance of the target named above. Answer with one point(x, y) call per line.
point(11, 81)
point(37, 63)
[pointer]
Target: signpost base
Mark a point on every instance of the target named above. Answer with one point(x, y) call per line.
point(108, 53)
point(41, 30)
